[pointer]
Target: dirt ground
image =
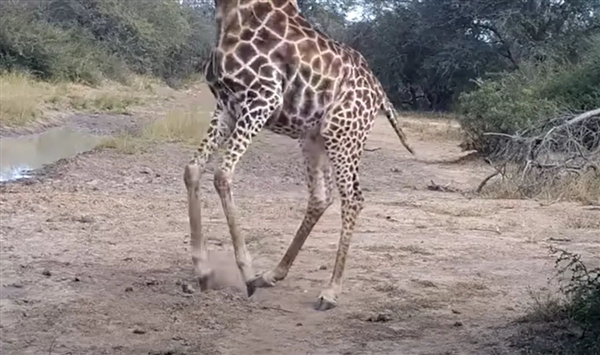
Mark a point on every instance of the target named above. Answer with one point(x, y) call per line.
point(95, 252)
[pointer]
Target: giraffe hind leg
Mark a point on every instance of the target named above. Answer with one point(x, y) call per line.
point(352, 204)
point(320, 187)
point(345, 150)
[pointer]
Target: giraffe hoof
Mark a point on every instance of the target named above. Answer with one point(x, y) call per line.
point(204, 277)
point(326, 301)
point(264, 280)
point(250, 288)
point(259, 281)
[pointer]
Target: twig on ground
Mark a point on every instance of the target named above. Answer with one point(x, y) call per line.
point(51, 346)
point(485, 181)
point(435, 187)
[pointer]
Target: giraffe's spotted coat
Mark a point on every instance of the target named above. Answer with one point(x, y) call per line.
point(272, 69)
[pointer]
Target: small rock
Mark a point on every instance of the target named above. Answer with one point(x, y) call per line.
point(299, 324)
point(129, 289)
point(146, 171)
point(151, 282)
point(458, 324)
point(455, 311)
point(76, 279)
point(139, 331)
point(187, 288)
point(84, 219)
point(323, 267)
point(46, 272)
point(381, 317)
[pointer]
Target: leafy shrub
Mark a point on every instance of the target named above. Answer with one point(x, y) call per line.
point(582, 306)
point(48, 52)
point(505, 105)
point(87, 40)
point(577, 87)
point(516, 101)
point(583, 290)
point(566, 323)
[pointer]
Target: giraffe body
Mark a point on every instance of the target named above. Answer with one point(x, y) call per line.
point(272, 69)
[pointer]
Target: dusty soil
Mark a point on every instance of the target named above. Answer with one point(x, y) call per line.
point(95, 256)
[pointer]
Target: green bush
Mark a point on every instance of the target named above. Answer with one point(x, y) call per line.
point(516, 101)
point(86, 40)
point(580, 286)
point(567, 323)
point(577, 87)
point(48, 52)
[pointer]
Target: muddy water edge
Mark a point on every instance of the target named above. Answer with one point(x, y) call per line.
point(22, 154)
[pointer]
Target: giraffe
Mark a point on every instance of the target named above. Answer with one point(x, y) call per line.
point(271, 69)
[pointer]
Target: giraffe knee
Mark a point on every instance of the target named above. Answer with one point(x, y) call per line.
point(354, 201)
point(222, 180)
point(320, 203)
point(357, 195)
point(191, 175)
point(359, 203)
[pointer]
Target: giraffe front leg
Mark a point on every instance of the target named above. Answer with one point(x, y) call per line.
point(255, 114)
point(218, 129)
point(320, 186)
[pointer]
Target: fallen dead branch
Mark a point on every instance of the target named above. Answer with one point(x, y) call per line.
point(372, 149)
point(554, 150)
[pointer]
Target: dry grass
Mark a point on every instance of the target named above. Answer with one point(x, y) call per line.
point(566, 320)
point(589, 221)
point(545, 307)
point(25, 100)
point(22, 99)
point(584, 188)
point(185, 126)
point(125, 143)
point(433, 128)
point(454, 210)
point(468, 289)
point(104, 102)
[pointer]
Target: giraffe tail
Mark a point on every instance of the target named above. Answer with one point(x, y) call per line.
point(392, 116)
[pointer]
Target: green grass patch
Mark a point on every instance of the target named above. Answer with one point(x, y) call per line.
point(25, 100)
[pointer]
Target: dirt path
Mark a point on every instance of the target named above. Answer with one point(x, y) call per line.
point(94, 252)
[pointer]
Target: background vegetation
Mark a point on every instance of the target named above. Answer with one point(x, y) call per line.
point(501, 64)
point(514, 68)
point(91, 40)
